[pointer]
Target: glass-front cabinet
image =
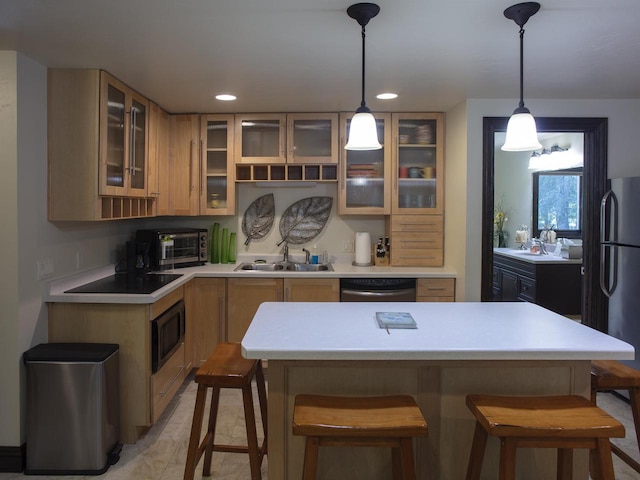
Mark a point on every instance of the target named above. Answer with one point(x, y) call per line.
point(364, 177)
point(217, 185)
point(124, 139)
point(305, 138)
point(418, 163)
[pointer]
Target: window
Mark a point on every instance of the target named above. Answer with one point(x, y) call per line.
point(557, 202)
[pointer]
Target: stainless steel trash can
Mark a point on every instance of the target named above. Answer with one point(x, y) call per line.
point(73, 408)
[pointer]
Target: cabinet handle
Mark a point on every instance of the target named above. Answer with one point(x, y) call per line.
point(193, 187)
point(201, 167)
point(395, 173)
point(344, 163)
point(132, 151)
point(164, 392)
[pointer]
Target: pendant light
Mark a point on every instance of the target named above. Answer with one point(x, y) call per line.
point(521, 129)
point(363, 132)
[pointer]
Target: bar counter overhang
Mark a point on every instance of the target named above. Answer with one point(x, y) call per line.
point(457, 349)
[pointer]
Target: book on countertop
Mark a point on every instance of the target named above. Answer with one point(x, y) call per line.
point(395, 320)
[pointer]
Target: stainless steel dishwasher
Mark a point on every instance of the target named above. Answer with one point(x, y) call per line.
point(377, 289)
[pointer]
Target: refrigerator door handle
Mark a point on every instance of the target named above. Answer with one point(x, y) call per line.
point(608, 286)
point(613, 219)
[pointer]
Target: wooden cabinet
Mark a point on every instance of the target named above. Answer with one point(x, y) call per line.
point(556, 286)
point(416, 240)
point(217, 183)
point(159, 179)
point(184, 164)
point(365, 186)
point(244, 296)
point(143, 396)
point(286, 147)
point(205, 308)
point(311, 290)
point(98, 148)
point(436, 290)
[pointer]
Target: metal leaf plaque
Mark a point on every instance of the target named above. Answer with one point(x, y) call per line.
point(305, 219)
point(258, 218)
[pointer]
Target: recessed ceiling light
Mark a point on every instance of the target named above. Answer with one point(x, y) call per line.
point(225, 97)
point(387, 96)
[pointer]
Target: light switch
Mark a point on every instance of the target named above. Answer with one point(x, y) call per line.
point(44, 268)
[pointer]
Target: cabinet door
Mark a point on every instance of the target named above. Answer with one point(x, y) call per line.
point(260, 138)
point(205, 308)
point(509, 286)
point(158, 169)
point(244, 296)
point(311, 290)
point(217, 182)
point(312, 138)
point(184, 164)
point(435, 290)
point(364, 175)
point(123, 139)
point(418, 163)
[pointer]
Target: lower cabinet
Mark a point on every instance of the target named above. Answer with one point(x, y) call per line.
point(143, 396)
point(244, 296)
point(556, 286)
point(205, 308)
point(435, 290)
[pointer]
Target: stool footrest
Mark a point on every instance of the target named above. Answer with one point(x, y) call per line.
point(625, 457)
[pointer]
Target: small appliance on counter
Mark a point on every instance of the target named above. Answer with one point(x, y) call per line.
point(189, 247)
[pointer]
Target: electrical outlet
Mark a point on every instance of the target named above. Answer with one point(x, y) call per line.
point(347, 246)
point(44, 268)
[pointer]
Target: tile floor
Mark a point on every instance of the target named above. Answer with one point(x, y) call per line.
point(161, 453)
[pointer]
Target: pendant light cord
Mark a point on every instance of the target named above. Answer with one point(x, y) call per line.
point(521, 104)
point(362, 103)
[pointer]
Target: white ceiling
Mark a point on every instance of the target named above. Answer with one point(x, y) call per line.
point(303, 55)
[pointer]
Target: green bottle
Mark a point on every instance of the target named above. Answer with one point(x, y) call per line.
point(232, 247)
point(215, 243)
point(224, 246)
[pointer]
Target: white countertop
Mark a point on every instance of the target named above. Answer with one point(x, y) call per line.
point(526, 256)
point(341, 269)
point(446, 331)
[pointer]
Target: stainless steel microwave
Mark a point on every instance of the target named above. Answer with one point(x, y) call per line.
point(188, 247)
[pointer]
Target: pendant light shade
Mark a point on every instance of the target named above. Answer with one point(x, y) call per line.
point(521, 135)
point(363, 132)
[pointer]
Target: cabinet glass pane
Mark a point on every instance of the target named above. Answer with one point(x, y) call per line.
point(365, 175)
point(260, 138)
point(312, 138)
point(138, 124)
point(115, 137)
point(216, 164)
point(417, 164)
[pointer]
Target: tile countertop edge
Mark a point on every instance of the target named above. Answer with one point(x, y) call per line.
point(54, 290)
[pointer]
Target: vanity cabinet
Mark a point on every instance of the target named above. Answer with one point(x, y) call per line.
point(205, 309)
point(365, 186)
point(143, 395)
point(244, 296)
point(556, 286)
point(98, 148)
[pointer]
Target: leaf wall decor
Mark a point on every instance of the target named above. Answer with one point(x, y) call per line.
point(304, 220)
point(258, 217)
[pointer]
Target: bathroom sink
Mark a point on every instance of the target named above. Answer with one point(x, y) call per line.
point(267, 267)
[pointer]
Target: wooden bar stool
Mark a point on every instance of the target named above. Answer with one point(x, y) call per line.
point(227, 368)
point(612, 375)
point(390, 421)
point(563, 422)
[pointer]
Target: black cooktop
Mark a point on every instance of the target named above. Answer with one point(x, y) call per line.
point(125, 283)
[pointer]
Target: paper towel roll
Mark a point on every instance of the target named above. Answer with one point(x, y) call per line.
point(363, 248)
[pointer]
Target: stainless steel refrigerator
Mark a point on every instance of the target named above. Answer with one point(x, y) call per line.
point(620, 260)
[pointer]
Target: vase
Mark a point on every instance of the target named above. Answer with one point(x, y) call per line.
point(232, 247)
point(224, 246)
point(502, 237)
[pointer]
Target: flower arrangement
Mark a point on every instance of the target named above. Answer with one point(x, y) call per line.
point(499, 219)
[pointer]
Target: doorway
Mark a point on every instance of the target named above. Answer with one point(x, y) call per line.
point(595, 182)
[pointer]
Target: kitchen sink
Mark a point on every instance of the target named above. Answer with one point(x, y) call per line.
point(292, 267)
point(310, 267)
point(267, 267)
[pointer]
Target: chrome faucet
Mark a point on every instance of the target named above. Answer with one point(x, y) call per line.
point(285, 252)
point(307, 253)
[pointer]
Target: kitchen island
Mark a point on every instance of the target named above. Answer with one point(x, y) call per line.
point(457, 349)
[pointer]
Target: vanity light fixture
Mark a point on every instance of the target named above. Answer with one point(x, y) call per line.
point(363, 131)
point(521, 129)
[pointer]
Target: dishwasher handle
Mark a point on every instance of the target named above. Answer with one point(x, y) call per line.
point(373, 295)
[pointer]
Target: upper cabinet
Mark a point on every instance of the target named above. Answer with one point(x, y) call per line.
point(418, 170)
point(98, 148)
point(365, 186)
point(185, 161)
point(217, 185)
